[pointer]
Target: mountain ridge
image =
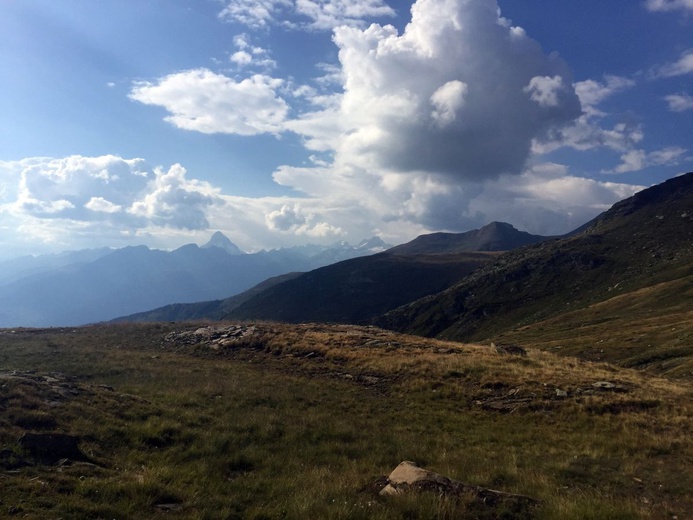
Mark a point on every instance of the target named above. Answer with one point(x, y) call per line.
point(640, 241)
point(495, 236)
point(359, 289)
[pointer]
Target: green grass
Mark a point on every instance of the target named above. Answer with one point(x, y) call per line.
point(265, 430)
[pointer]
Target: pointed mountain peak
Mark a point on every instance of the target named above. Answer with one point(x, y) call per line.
point(222, 242)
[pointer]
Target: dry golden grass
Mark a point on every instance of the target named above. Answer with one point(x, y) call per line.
point(291, 421)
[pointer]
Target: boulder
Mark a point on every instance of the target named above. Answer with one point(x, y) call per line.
point(408, 477)
point(50, 448)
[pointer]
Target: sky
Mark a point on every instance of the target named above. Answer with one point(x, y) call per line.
point(286, 122)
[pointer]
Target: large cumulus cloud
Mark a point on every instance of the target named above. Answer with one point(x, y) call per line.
point(460, 92)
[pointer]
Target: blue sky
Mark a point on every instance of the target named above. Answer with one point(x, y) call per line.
point(282, 122)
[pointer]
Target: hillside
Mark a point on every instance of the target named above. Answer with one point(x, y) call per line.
point(357, 290)
point(641, 242)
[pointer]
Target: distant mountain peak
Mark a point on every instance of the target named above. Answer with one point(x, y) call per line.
point(222, 242)
point(374, 244)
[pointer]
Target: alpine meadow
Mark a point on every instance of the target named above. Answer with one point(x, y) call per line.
point(346, 259)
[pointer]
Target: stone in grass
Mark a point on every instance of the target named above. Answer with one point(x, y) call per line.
point(409, 477)
point(509, 349)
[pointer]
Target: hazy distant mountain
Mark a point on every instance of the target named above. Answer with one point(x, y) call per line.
point(135, 279)
point(222, 242)
point(496, 236)
point(640, 242)
point(208, 310)
point(20, 267)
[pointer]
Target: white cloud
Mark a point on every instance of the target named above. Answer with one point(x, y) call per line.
point(293, 218)
point(669, 5)
point(99, 199)
point(545, 90)
point(253, 13)
point(447, 101)
point(547, 200)
point(327, 14)
point(587, 132)
point(206, 102)
point(429, 129)
point(592, 92)
point(102, 205)
point(249, 55)
point(241, 58)
point(174, 201)
point(679, 102)
point(636, 160)
point(684, 65)
point(398, 89)
point(313, 14)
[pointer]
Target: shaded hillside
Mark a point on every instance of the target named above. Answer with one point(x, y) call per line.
point(496, 236)
point(209, 310)
point(357, 290)
point(641, 241)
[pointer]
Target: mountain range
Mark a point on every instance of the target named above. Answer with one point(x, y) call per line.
point(619, 288)
point(89, 286)
point(360, 289)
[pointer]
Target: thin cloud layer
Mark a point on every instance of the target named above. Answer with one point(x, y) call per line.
point(669, 5)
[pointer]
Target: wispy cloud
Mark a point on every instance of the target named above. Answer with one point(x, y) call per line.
point(636, 160)
point(684, 65)
point(669, 5)
point(679, 102)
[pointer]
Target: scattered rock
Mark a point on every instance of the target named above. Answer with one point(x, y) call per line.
point(50, 448)
point(509, 349)
point(213, 337)
point(609, 387)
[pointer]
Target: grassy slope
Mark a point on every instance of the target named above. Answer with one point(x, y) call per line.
point(292, 421)
point(641, 242)
point(650, 328)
